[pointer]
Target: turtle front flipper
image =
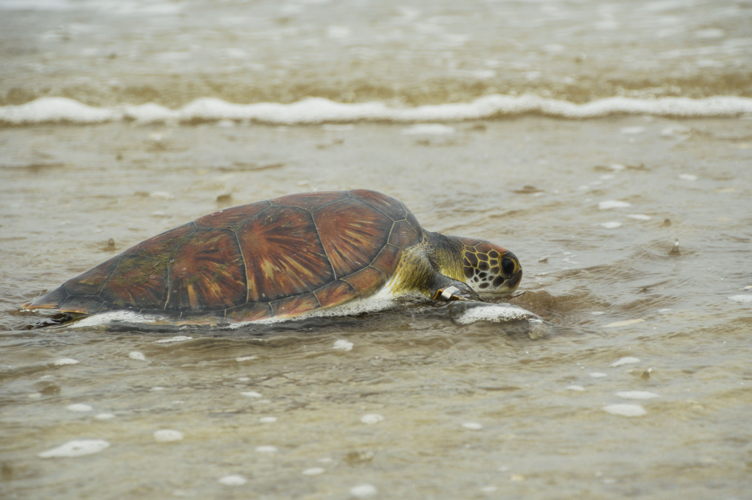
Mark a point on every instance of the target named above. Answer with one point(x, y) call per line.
point(446, 288)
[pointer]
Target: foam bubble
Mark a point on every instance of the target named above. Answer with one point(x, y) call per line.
point(76, 448)
point(266, 449)
point(79, 407)
point(267, 420)
point(313, 471)
point(251, 394)
point(167, 435)
point(363, 490)
point(473, 426)
point(497, 313)
point(104, 416)
point(232, 480)
point(428, 129)
point(176, 338)
point(343, 345)
point(137, 355)
point(676, 131)
point(338, 32)
point(626, 322)
point(598, 374)
point(742, 299)
point(709, 33)
point(625, 410)
point(578, 388)
point(611, 224)
point(688, 177)
point(626, 360)
point(163, 195)
point(319, 110)
point(637, 394)
point(609, 204)
point(245, 358)
point(639, 217)
point(632, 130)
point(65, 362)
point(371, 418)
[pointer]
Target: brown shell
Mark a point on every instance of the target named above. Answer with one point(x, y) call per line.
point(281, 257)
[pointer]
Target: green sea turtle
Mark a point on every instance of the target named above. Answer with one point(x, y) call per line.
point(287, 257)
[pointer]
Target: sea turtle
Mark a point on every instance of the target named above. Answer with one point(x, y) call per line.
point(286, 257)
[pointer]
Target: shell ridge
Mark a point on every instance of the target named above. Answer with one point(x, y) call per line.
point(341, 280)
point(168, 271)
point(228, 225)
point(365, 201)
point(379, 270)
point(388, 236)
point(375, 208)
point(111, 273)
point(318, 302)
point(168, 279)
point(323, 247)
point(236, 238)
point(327, 204)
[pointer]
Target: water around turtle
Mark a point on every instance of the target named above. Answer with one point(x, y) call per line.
point(544, 407)
point(639, 388)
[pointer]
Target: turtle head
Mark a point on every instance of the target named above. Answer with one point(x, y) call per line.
point(489, 268)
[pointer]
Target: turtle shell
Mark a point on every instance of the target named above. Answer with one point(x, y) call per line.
point(281, 257)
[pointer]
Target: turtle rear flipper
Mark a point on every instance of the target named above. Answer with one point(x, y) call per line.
point(60, 300)
point(57, 319)
point(51, 300)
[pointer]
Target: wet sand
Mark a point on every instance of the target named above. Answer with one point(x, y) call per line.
point(592, 209)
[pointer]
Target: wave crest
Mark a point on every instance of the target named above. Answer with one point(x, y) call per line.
point(319, 110)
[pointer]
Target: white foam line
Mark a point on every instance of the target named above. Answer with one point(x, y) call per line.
point(318, 110)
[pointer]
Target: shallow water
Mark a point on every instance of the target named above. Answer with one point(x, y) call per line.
point(610, 292)
point(640, 385)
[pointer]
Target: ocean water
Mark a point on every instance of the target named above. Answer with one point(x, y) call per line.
point(608, 144)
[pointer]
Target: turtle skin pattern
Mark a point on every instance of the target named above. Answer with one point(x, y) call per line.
point(281, 257)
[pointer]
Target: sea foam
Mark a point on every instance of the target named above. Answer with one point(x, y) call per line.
point(497, 313)
point(319, 110)
point(76, 448)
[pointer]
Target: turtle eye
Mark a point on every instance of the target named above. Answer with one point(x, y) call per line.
point(507, 265)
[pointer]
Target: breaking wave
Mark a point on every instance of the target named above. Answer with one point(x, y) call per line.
point(319, 110)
